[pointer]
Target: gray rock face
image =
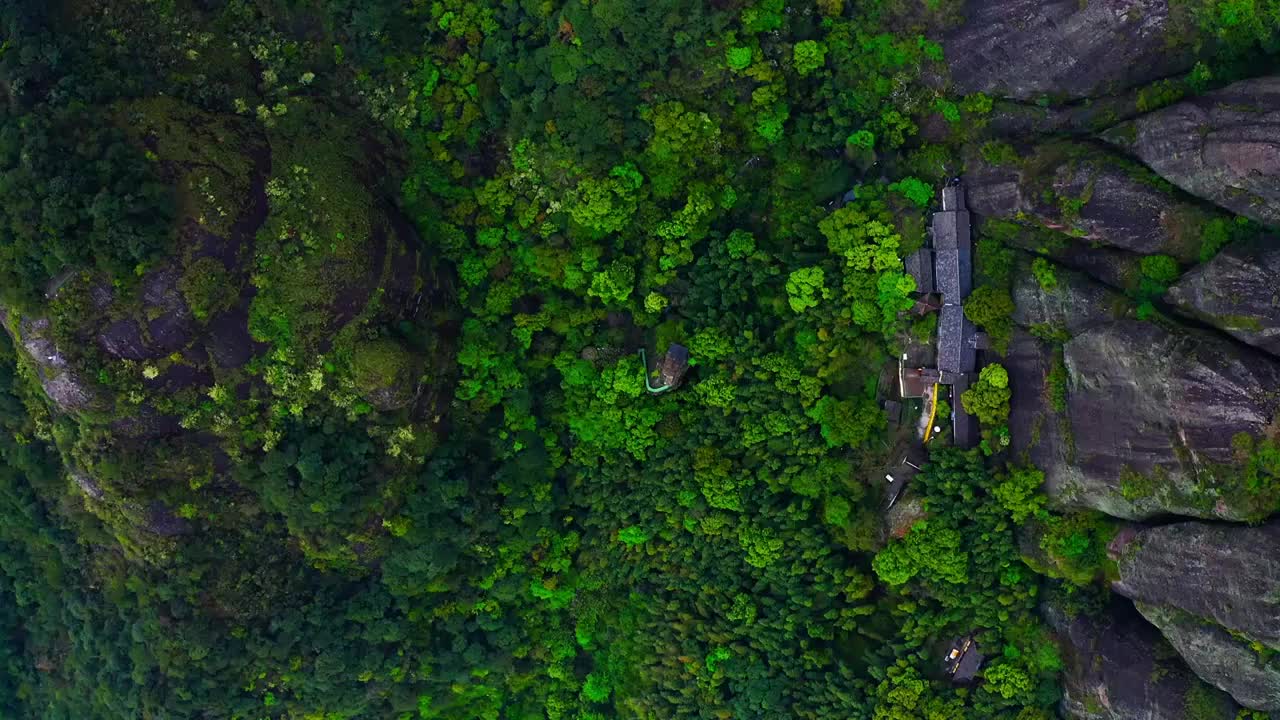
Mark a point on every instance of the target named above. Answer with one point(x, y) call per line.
point(1062, 48)
point(1091, 196)
point(1153, 412)
point(169, 328)
point(1237, 291)
point(87, 485)
point(1227, 574)
point(1074, 304)
point(64, 385)
point(1150, 410)
point(1213, 590)
point(123, 339)
point(1221, 659)
point(1118, 667)
point(1223, 146)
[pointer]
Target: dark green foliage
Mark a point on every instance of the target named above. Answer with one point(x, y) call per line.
point(438, 488)
point(991, 308)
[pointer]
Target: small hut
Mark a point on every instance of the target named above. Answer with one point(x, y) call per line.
point(671, 368)
point(963, 660)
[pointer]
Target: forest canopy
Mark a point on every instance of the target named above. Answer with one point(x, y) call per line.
point(347, 318)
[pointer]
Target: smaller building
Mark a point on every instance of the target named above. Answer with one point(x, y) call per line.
point(914, 382)
point(963, 660)
point(901, 472)
point(673, 366)
point(919, 265)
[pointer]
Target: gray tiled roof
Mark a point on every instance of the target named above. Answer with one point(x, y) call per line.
point(953, 197)
point(956, 350)
point(919, 265)
point(950, 228)
point(948, 274)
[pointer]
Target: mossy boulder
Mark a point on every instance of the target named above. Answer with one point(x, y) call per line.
point(1237, 292)
point(1119, 667)
point(1223, 146)
point(1214, 591)
point(1092, 197)
point(386, 373)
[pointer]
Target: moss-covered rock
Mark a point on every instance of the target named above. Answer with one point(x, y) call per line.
point(1223, 146)
point(1237, 292)
point(1092, 197)
point(386, 373)
point(255, 330)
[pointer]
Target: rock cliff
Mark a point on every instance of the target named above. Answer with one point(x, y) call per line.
point(1171, 399)
point(1094, 197)
point(1215, 593)
point(1119, 667)
point(1237, 291)
point(1065, 49)
point(292, 293)
point(1223, 146)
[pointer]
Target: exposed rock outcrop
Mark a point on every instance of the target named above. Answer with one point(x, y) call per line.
point(1066, 49)
point(67, 387)
point(1118, 667)
point(1091, 196)
point(1214, 591)
point(1131, 418)
point(1237, 291)
point(1220, 658)
point(1228, 574)
point(249, 323)
point(1223, 146)
point(1074, 303)
point(1172, 401)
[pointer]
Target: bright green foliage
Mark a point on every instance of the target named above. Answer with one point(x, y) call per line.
point(632, 536)
point(1018, 492)
point(948, 110)
point(596, 688)
point(904, 695)
point(1075, 544)
point(655, 302)
point(866, 240)
point(809, 55)
point(740, 244)
point(614, 284)
point(1160, 269)
point(915, 190)
point(847, 422)
point(805, 288)
point(988, 398)
point(864, 139)
point(738, 58)
point(602, 206)
point(1043, 272)
point(930, 550)
point(1007, 680)
point(762, 547)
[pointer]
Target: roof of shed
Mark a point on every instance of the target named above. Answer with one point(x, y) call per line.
point(919, 265)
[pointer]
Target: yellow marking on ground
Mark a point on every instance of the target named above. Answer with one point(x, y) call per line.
point(933, 411)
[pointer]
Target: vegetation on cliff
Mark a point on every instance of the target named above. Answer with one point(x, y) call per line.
point(321, 389)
